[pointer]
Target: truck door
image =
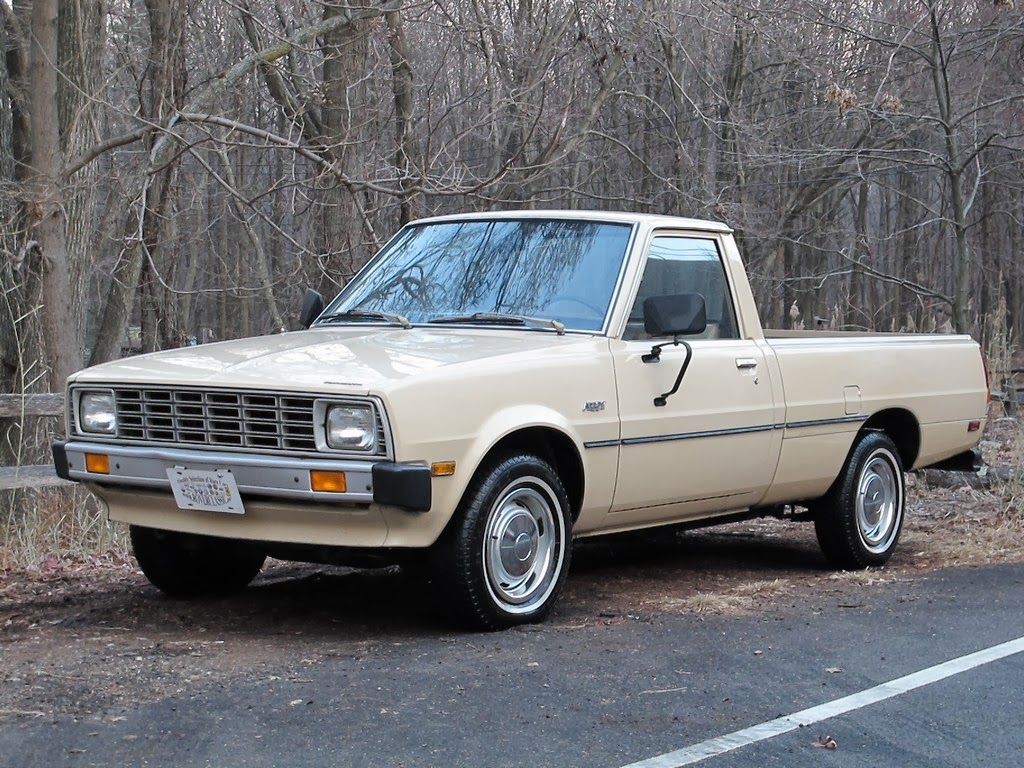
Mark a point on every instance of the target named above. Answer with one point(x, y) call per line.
point(714, 445)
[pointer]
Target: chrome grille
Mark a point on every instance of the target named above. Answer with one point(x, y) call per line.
point(382, 441)
point(220, 419)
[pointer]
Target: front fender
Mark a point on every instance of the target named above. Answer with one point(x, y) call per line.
point(513, 419)
point(406, 530)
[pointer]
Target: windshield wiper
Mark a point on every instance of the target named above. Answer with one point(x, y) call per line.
point(501, 318)
point(367, 314)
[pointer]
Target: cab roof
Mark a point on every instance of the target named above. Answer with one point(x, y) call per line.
point(618, 217)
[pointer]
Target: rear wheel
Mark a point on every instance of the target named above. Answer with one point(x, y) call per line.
point(507, 553)
point(189, 565)
point(859, 522)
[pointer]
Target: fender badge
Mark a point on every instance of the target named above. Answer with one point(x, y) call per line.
point(593, 406)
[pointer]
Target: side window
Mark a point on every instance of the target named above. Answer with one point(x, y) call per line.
point(685, 265)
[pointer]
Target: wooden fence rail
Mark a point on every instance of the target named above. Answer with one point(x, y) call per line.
point(29, 476)
point(46, 404)
point(32, 475)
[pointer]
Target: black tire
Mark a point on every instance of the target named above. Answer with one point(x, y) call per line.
point(189, 565)
point(478, 585)
point(845, 531)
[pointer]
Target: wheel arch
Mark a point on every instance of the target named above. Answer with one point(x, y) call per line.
point(902, 427)
point(553, 445)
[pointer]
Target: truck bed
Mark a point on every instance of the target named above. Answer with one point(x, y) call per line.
point(835, 380)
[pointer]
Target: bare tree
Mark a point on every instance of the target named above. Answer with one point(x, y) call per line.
point(210, 159)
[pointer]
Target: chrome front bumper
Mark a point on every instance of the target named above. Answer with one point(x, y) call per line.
point(384, 482)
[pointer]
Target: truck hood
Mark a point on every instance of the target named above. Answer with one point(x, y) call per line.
point(350, 360)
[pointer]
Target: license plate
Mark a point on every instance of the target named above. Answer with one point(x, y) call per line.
point(209, 490)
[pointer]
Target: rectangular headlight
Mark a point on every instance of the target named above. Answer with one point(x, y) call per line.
point(97, 412)
point(351, 427)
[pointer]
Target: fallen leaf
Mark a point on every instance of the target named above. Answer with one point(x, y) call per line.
point(825, 742)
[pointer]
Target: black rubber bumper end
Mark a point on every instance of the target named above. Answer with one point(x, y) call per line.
point(968, 461)
point(60, 459)
point(402, 485)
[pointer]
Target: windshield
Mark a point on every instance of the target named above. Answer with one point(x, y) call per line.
point(548, 269)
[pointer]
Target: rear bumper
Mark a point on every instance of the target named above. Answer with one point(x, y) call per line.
point(407, 486)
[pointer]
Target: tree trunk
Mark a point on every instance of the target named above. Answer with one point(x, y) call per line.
point(45, 200)
point(81, 30)
point(405, 142)
point(165, 72)
point(954, 169)
point(13, 131)
point(730, 171)
point(857, 302)
point(962, 262)
point(261, 263)
point(345, 51)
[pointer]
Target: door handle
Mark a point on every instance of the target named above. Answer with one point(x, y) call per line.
point(746, 362)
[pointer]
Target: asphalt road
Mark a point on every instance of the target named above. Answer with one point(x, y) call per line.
point(603, 695)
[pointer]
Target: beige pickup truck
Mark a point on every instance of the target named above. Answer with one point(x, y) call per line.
point(491, 387)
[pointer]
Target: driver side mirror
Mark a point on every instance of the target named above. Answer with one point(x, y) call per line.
point(312, 306)
point(681, 314)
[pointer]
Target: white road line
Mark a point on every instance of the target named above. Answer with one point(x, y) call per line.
point(787, 723)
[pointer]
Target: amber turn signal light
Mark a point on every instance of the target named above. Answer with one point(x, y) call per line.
point(442, 469)
point(327, 481)
point(97, 463)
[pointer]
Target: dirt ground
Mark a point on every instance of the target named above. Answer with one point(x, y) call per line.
point(91, 638)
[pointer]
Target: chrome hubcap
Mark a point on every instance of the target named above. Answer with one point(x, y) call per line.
point(879, 502)
point(524, 545)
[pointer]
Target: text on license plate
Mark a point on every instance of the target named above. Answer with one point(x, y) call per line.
point(210, 490)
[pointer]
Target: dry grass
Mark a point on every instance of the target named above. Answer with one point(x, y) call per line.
point(741, 598)
point(705, 602)
point(40, 526)
point(869, 577)
point(43, 527)
point(1008, 450)
point(963, 527)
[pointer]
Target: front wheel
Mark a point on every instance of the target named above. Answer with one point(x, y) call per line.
point(507, 552)
point(190, 565)
point(859, 522)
